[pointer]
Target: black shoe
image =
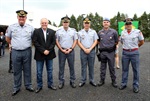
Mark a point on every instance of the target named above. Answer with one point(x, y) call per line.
point(101, 83)
point(52, 87)
point(73, 85)
point(10, 71)
point(122, 87)
point(135, 90)
point(114, 84)
point(30, 89)
point(38, 90)
point(93, 84)
point(61, 85)
point(81, 84)
point(15, 92)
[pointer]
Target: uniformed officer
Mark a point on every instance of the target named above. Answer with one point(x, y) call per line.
point(19, 35)
point(131, 40)
point(66, 39)
point(87, 42)
point(108, 39)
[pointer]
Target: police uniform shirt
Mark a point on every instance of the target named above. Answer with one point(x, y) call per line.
point(108, 38)
point(131, 40)
point(20, 36)
point(87, 38)
point(66, 38)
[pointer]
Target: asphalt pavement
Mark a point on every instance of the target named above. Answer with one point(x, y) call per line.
point(85, 93)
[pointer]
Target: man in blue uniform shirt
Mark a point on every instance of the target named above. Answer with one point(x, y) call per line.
point(19, 36)
point(87, 42)
point(108, 39)
point(131, 40)
point(66, 39)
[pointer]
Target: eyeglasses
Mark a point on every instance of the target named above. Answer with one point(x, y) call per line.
point(86, 23)
point(22, 16)
point(128, 23)
point(65, 22)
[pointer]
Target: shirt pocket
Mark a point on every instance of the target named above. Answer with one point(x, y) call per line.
point(134, 40)
point(91, 36)
point(71, 35)
point(82, 36)
point(15, 33)
point(61, 36)
point(28, 33)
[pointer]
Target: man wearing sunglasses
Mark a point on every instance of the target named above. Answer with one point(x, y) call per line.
point(87, 42)
point(131, 40)
point(108, 39)
point(66, 39)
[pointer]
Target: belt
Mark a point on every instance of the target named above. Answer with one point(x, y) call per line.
point(130, 50)
point(23, 49)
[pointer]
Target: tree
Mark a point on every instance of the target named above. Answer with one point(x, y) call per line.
point(122, 17)
point(114, 23)
point(143, 25)
point(49, 22)
point(135, 17)
point(73, 22)
point(80, 22)
point(97, 22)
point(54, 24)
point(118, 17)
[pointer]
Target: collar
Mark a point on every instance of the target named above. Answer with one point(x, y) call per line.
point(130, 31)
point(44, 30)
point(88, 30)
point(18, 25)
point(107, 30)
point(65, 30)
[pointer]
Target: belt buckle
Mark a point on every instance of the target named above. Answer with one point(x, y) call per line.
point(130, 50)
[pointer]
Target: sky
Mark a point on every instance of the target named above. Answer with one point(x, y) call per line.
point(54, 10)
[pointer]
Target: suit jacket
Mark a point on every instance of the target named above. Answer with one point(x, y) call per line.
point(41, 45)
point(3, 40)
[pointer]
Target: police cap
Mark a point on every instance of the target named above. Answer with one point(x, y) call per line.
point(65, 19)
point(128, 21)
point(86, 20)
point(21, 13)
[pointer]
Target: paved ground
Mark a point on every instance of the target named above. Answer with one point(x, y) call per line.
point(86, 93)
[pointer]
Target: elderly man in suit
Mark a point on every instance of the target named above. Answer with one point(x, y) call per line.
point(44, 42)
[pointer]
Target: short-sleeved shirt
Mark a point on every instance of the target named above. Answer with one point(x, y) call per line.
point(108, 38)
point(87, 38)
point(131, 40)
point(20, 36)
point(66, 38)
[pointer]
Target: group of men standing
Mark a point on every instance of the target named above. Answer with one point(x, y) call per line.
point(21, 36)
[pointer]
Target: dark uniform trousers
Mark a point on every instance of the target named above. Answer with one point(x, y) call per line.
point(87, 60)
point(22, 61)
point(62, 59)
point(132, 57)
point(107, 57)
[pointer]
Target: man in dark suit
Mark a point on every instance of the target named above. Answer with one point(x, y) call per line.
point(3, 40)
point(44, 42)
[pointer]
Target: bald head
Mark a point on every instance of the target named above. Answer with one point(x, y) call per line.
point(44, 23)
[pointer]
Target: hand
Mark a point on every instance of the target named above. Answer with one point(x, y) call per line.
point(9, 49)
point(64, 51)
point(68, 50)
point(46, 52)
point(87, 51)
